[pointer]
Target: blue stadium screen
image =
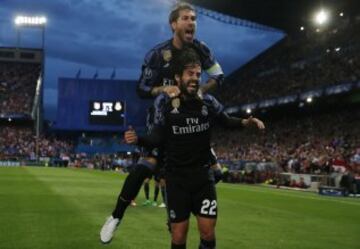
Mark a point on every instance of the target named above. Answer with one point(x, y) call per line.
point(99, 105)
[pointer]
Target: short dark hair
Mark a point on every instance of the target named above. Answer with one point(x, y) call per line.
point(187, 57)
point(175, 12)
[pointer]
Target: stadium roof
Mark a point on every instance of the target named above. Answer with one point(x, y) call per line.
point(287, 15)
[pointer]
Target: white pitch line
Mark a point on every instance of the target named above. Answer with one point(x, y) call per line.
point(319, 198)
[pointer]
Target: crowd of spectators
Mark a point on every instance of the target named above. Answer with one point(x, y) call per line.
point(296, 65)
point(17, 86)
point(20, 142)
point(315, 144)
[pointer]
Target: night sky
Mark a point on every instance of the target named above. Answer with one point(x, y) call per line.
point(106, 34)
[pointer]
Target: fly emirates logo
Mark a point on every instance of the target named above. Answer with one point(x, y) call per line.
point(192, 126)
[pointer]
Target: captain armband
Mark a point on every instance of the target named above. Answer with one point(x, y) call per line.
point(215, 72)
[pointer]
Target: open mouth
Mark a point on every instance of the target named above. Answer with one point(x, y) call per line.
point(193, 86)
point(189, 33)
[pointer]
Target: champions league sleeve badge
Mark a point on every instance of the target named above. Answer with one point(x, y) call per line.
point(148, 73)
point(175, 103)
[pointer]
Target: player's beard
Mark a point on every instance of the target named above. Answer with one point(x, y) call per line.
point(187, 90)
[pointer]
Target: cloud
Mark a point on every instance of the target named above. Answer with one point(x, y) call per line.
point(118, 32)
point(99, 34)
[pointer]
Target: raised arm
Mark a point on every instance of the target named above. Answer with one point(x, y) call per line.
point(211, 67)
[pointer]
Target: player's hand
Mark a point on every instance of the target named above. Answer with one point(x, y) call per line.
point(172, 91)
point(216, 172)
point(130, 136)
point(251, 120)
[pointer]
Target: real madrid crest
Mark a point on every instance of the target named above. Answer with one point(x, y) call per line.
point(172, 214)
point(204, 110)
point(175, 103)
point(166, 55)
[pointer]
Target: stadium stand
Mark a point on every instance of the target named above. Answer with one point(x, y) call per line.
point(313, 144)
point(17, 86)
point(298, 64)
point(304, 143)
point(18, 143)
point(19, 74)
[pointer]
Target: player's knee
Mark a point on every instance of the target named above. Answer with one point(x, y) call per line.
point(178, 238)
point(178, 233)
point(207, 233)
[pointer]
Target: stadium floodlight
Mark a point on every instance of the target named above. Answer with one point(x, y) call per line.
point(30, 21)
point(321, 17)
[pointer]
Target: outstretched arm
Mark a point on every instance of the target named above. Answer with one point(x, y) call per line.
point(238, 122)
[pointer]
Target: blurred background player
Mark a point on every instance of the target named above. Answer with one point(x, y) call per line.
point(159, 185)
point(147, 201)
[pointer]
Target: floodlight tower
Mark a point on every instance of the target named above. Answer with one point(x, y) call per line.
point(38, 22)
point(31, 22)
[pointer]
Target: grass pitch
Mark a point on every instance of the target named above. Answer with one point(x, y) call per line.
point(50, 208)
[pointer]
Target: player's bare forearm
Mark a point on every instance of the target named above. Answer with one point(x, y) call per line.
point(239, 122)
point(209, 86)
point(171, 91)
point(155, 91)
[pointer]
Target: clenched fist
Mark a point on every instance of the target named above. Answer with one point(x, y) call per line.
point(130, 136)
